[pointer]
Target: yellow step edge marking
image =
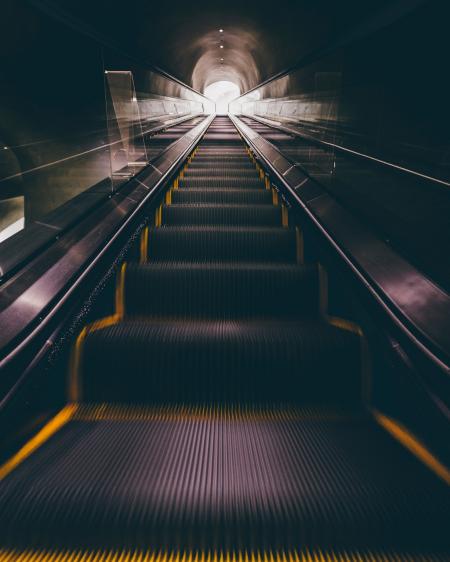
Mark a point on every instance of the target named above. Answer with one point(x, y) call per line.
point(175, 183)
point(143, 254)
point(284, 216)
point(120, 292)
point(75, 366)
point(74, 387)
point(410, 442)
point(274, 196)
point(126, 412)
point(345, 324)
point(267, 184)
point(158, 216)
point(349, 326)
point(299, 244)
point(365, 357)
point(35, 442)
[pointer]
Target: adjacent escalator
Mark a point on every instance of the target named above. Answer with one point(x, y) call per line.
point(220, 413)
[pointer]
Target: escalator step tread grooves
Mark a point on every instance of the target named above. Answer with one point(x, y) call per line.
point(224, 196)
point(195, 172)
point(221, 419)
point(202, 243)
point(222, 182)
point(222, 361)
point(204, 214)
point(96, 485)
point(221, 290)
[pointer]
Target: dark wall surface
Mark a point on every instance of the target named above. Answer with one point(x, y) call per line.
point(260, 37)
point(56, 117)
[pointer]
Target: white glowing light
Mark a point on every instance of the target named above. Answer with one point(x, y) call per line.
point(221, 46)
point(12, 229)
point(221, 30)
point(222, 93)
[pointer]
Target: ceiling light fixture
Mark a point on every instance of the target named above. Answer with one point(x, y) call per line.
point(220, 30)
point(221, 46)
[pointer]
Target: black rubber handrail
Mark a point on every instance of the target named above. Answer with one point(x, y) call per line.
point(433, 341)
point(348, 151)
point(22, 247)
point(46, 284)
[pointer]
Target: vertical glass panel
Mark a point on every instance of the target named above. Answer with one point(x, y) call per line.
point(146, 112)
point(126, 137)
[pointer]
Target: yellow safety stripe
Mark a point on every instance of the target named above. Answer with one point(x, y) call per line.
point(275, 197)
point(158, 216)
point(365, 357)
point(74, 387)
point(410, 442)
point(35, 442)
point(345, 324)
point(120, 292)
point(284, 216)
point(144, 245)
point(200, 555)
point(130, 412)
point(349, 326)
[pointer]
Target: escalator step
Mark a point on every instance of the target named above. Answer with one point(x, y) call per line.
point(245, 215)
point(245, 164)
point(222, 196)
point(230, 172)
point(262, 481)
point(275, 245)
point(222, 182)
point(238, 157)
point(217, 290)
point(222, 361)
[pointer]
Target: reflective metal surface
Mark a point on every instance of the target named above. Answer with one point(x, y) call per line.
point(30, 298)
point(419, 307)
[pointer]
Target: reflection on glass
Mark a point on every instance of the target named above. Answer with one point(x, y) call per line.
point(126, 140)
point(80, 125)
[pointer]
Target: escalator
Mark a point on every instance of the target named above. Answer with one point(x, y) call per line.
point(220, 414)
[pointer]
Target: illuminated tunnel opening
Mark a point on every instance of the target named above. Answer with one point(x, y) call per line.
point(222, 92)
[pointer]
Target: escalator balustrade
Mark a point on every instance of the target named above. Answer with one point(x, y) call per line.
point(220, 414)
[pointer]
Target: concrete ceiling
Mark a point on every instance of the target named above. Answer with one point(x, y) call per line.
point(260, 37)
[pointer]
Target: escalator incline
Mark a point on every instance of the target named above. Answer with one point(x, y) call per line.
point(219, 414)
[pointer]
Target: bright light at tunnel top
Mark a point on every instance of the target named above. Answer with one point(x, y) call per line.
point(222, 93)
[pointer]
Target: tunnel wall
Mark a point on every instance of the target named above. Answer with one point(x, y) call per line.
point(385, 95)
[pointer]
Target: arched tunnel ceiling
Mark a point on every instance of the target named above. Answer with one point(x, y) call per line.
point(260, 37)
